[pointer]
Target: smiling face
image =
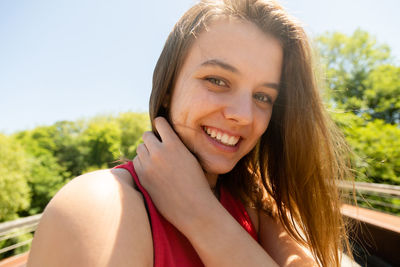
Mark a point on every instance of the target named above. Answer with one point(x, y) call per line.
point(223, 96)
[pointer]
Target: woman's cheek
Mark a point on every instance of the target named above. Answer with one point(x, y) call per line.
point(264, 117)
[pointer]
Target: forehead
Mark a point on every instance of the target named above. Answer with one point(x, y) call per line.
point(238, 42)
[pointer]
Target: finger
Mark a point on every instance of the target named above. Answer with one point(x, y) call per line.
point(165, 130)
point(142, 151)
point(137, 164)
point(150, 140)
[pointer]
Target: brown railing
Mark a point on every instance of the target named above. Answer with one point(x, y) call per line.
point(376, 221)
point(375, 237)
point(13, 229)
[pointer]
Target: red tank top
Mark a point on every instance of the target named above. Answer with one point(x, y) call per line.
point(171, 248)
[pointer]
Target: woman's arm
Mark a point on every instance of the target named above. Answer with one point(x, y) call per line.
point(272, 237)
point(282, 248)
point(97, 219)
point(220, 240)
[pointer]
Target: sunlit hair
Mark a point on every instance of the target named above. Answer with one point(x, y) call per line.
point(292, 173)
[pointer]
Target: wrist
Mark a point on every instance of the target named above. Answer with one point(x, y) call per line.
point(200, 216)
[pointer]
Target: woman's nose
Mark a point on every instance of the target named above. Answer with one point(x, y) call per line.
point(239, 108)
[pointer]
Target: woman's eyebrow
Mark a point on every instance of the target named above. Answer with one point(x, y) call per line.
point(272, 85)
point(228, 67)
point(221, 64)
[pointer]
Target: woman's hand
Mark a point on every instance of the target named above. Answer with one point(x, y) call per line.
point(178, 187)
point(171, 174)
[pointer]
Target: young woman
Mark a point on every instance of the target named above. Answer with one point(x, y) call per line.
point(241, 167)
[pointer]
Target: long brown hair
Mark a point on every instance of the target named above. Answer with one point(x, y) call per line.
point(293, 171)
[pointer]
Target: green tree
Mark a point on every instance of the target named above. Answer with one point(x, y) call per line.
point(357, 70)
point(102, 139)
point(14, 171)
point(132, 126)
point(107, 139)
point(70, 150)
point(47, 157)
point(375, 144)
point(382, 93)
point(45, 175)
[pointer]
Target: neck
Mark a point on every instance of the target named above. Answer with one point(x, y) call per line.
point(212, 179)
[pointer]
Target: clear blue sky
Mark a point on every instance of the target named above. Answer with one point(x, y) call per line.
point(64, 60)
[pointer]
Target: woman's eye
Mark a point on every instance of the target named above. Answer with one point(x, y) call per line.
point(216, 81)
point(263, 98)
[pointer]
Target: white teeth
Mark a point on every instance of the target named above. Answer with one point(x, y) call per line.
point(232, 140)
point(225, 138)
point(222, 137)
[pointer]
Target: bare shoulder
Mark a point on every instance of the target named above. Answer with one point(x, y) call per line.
point(97, 219)
point(279, 245)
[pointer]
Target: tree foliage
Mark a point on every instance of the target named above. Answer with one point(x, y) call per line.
point(132, 126)
point(102, 138)
point(363, 82)
point(382, 93)
point(49, 156)
point(375, 145)
point(69, 150)
point(45, 175)
point(360, 75)
point(15, 192)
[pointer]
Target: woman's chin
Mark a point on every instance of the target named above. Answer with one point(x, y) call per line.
point(213, 168)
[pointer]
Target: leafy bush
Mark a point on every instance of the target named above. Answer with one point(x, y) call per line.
point(14, 172)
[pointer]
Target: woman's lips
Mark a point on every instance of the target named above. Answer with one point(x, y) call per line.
point(222, 136)
point(221, 139)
